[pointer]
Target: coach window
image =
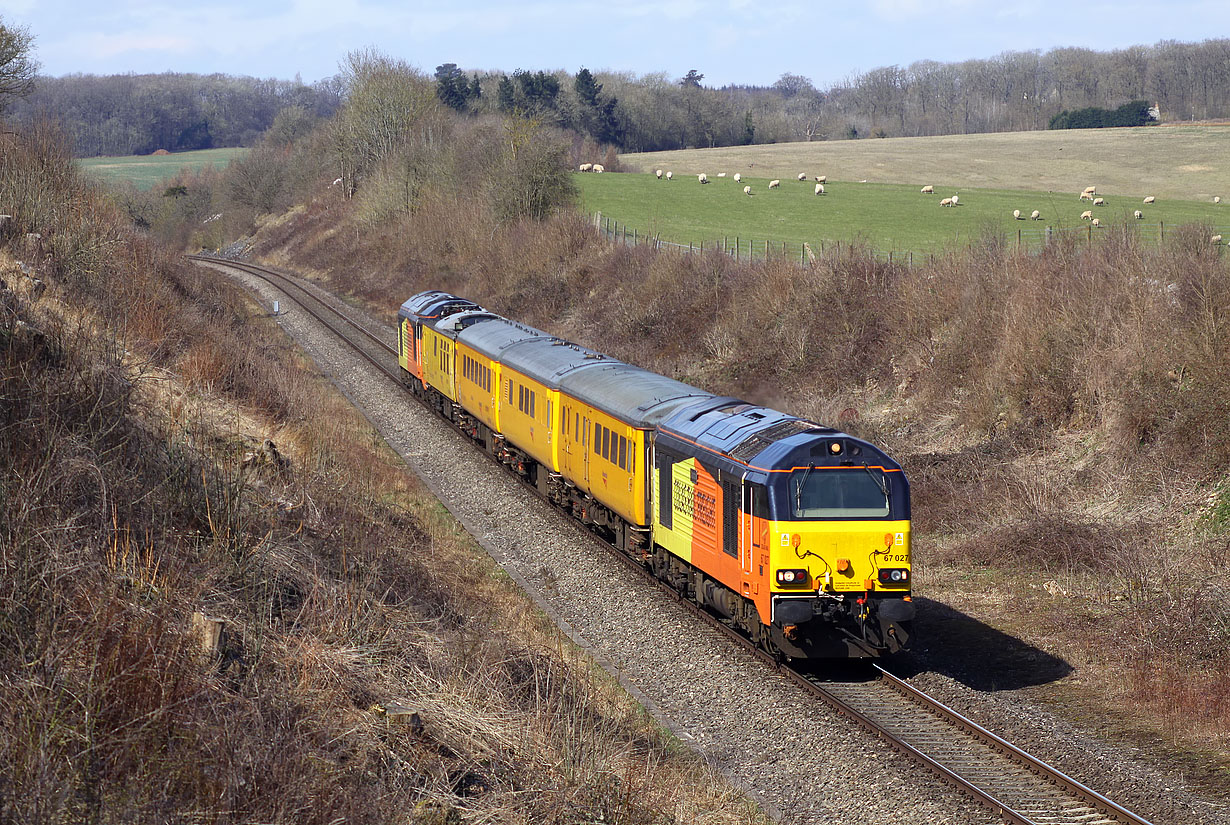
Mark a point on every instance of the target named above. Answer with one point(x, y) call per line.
point(509, 390)
point(597, 438)
point(623, 452)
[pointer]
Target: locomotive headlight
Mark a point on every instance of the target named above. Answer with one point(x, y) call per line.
point(835, 447)
point(793, 578)
point(894, 576)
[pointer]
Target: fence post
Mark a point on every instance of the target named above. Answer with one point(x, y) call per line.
point(634, 239)
point(1018, 239)
point(911, 259)
point(1161, 231)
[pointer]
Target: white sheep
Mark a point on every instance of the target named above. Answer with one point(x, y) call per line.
point(670, 175)
point(819, 188)
point(1095, 222)
point(1150, 199)
point(773, 184)
point(585, 167)
point(802, 176)
point(946, 202)
point(1099, 201)
point(1217, 199)
point(955, 200)
point(738, 176)
point(1138, 214)
point(1216, 239)
point(702, 177)
point(1035, 215)
point(747, 190)
point(1016, 213)
point(658, 174)
point(822, 178)
point(1087, 215)
point(928, 189)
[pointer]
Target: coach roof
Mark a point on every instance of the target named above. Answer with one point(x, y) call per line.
point(631, 394)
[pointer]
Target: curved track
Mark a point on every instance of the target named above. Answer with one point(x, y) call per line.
point(1019, 787)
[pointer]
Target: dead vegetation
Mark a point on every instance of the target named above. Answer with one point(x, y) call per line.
point(372, 665)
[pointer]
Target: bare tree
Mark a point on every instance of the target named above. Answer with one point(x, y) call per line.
point(17, 64)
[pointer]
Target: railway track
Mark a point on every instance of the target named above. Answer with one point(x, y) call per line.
point(1017, 786)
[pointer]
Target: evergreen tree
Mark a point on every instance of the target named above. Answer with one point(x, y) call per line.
point(692, 78)
point(587, 88)
point(451, 86)
point(475, 91)
point(506, 94)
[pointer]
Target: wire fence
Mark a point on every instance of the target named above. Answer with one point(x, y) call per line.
point(1032, 237)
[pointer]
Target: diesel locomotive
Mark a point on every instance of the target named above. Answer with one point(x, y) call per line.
point(795, 533)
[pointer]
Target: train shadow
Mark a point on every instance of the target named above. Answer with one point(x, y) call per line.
point(949, 642)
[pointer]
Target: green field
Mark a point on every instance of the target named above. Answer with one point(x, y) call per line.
point(147, 171)
point(873, 187)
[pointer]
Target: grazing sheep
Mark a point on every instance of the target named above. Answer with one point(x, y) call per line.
point(1087, 193)
point(802, 176)
point(1150, 199)
point(1035, 215)
point(955, 200)
point(658, 174)
point(928, 190)
point(1099, 201)
point(670, 175)
point(1217, 199)
point(599, 168)
point(585, 167)
point(773, 184)
point(702, 177)
point(819, 188)
point(747, 190)
point(738, 176)
point(1215, 239)
point(946, 202)
point(1087, 215)
point(1016, 213)
point(1138, 214)
point(1095, 222)
point(822, 178)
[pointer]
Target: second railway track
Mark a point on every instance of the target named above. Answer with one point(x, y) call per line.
point(1016, 786)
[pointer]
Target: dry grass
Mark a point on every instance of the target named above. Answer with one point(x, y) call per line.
point(137, 486)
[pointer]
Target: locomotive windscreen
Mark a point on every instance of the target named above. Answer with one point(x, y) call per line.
point(845, 493)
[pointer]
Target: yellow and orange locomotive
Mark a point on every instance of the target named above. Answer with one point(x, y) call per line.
point(797, 534)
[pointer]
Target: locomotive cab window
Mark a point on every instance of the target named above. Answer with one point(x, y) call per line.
point(852, 493)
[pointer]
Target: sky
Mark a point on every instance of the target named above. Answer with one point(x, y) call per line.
point(746, 42)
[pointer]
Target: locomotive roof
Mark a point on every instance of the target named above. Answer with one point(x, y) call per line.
point(434, 304)
point(759, 438)
point(415, 302)
point(633, 395)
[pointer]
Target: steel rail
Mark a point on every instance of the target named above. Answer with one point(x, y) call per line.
point(909, 695)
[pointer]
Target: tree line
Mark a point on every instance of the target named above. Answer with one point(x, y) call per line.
point(139, 114)
point(1014, 91)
